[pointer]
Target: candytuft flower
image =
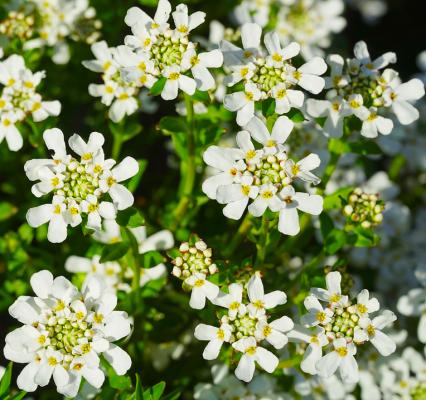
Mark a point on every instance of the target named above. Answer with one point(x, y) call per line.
point(359, 88)
point(79, 186)
point(64, 333)
point(339, 328)
point(267, 75)
point(263, 175)
point(19, 100)
point(245, 325)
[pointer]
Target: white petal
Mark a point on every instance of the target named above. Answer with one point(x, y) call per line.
point(245, 368)
point(328, 364)
point(121, 196)
point(41, 283)
point(289, 221)
point(205, 332)
point(118, 358)
point(126, 169)
point(383, 343)
point(212, 349)
point(267, 360)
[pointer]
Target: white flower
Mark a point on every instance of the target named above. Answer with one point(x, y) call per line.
point(215, 336)
point(253, 354)
point(155, 51)
point(77, 186)
point(175, 81)
point(267, 75)
point(274, 332)
point(114, 92)
point(371, 330)
point(273, 141)
point(243, 103)
point(342, 358)
point(365, 305)
point(59, 20)
point(333, 293)
point(359, 88)
point(262, 175)
point(19, 100)
point(259, 301)
point(293, 201)
point(316, 340)
point(317, 314)
point(232, 300)
point(310, 23)
point(400, 95)
point(63, 334)
point(201, 289)
point(245, 326)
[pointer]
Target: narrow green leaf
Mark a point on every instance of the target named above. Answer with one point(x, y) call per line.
point(5, 381)
point(134, 181)
point(169, 125)
point(114, 251)
point(130, 218)
point(158, 86)
point(201, 96)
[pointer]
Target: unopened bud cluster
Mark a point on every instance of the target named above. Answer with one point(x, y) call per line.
point(17, 24)
point(343, 323)
point(194, 259)
point(419, 392)
point(364, 209)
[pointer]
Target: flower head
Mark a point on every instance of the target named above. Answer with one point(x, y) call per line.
point(79, 186)
point(64, 333)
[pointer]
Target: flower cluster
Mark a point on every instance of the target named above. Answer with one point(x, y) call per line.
point(79, 186)
point(364, 209)
point(64, 333)
point(116, 93)
point(339, 328)
point(152, 53)
point(359, 88)
point(48, 23)
point(19, 100)
point(245, 325)
point(264, 175)
point(267, 74)
point(193, 264)
point(310, 23)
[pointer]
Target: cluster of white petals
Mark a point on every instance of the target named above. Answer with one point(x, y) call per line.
point(262, 175)
point(246, 325)
point(49, 23)
point(358, 87)
point(64, 333)
point(19, 100)
point(338, 328)
point(267, 74)
point(79, 186)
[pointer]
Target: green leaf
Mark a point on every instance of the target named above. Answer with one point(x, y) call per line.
point(7, 210)
point(130, 218)
point(337, 199)
point(114, 251)
point(326, 224)
point(268, 108)
point(18, 396)
point(296, 115)
point(336, 239)
point(149, 3)
point(155, 392)
point(5, 381)
point(201, 96)
point(169, 125)
point(365, 237)
point(172, 396)
point(158, 86)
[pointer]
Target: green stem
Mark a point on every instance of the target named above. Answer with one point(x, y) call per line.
point(262, 246)
point(244, 228)
point(135, 259)
point(116, 146)
point(188, 166)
